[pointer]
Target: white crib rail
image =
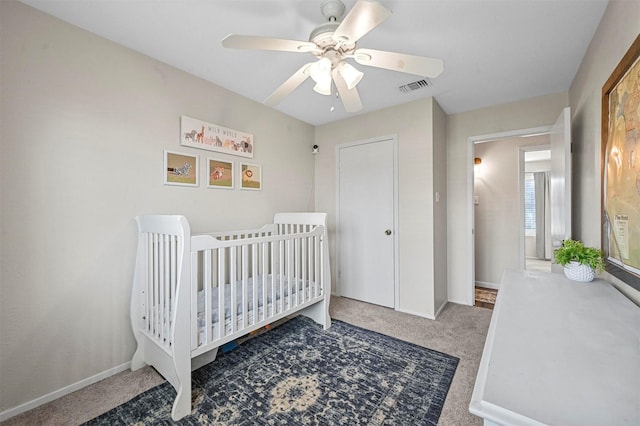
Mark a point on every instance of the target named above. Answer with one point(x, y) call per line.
point(266, 275)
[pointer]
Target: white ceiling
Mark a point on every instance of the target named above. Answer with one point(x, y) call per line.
point(494, 51)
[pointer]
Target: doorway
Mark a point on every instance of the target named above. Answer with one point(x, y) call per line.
point(536, 202)
point(366, 220)
point(560, 183)
point(498, 212)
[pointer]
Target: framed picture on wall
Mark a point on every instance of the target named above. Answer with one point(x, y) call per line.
point(621, 168)
point(180, 169)
point(251, 176)
point(200, 134)
point(220, 173)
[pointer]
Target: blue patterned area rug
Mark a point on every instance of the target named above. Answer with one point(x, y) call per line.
point(300, 374)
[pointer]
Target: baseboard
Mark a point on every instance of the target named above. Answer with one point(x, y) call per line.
point(12, 412)
point(417, 314)
point(460, 302)
point(440, 309)
point(485, 284)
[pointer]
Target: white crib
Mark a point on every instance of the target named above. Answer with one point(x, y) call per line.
point(181, 309)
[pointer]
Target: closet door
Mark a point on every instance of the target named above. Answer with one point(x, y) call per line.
point(366, 232)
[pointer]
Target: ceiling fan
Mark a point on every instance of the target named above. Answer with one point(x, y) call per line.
point(331, 43)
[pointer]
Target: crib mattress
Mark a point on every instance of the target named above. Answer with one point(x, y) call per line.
point(299, 288)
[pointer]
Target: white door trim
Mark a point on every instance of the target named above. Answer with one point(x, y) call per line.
point(394, 139)
point(471, 141)
point(521, 171)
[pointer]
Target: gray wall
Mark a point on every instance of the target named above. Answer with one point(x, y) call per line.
point(620, 25)
point(531, 113)
point(420, 174)
point(84, 126)
point(439, 170)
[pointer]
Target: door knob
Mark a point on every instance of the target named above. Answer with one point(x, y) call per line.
point(388, 232)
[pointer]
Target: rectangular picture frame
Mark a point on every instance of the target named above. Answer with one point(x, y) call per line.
point(620, 229)
point(251, 176)
point(180, 169)
point(220, 173)
point(200, 134)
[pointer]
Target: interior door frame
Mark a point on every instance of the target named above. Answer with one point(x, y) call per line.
point(396, 274)
point(471, 142)
point(521, 173)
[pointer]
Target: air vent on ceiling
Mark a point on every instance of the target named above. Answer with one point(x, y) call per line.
point(415, 85)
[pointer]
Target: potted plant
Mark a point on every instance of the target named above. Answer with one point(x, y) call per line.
point(580, 262)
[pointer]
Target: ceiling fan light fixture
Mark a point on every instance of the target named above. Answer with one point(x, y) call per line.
point(321, 74)
point(350, 74)
point(321, 70)
point(323, 87)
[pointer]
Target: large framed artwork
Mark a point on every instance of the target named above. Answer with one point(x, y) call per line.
point(621, 168)
point(213, 137)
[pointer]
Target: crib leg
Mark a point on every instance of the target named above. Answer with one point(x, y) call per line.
point(137, 361)
point(319, 312)
point(182, 404)
point(204, 359)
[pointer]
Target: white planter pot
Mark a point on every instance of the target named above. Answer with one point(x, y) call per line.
point(577, 272)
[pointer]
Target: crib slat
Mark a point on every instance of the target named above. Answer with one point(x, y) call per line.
point(273, 273)
point(147, 284)
point(195, 329)
point(265, 305)
point(316, 266)
point(281, 260)
point(289, 262)
point(156, 279)
point(322, 260)
point(207, 273)
point(245, 265)
point(164, 290)
point(222, 272)
point(177, 241)
point(303, 277)
point(254, 277)
point(296, 271)
point(172, 284)
point(233, 265)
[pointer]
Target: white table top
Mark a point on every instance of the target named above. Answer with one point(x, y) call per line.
point(559, 352)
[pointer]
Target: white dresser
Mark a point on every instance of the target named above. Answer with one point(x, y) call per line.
point(559, 352)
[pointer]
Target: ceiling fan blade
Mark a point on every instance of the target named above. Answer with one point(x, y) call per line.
point(419, 65)
point(237, 41)
point(364, 16)
point(289, 86)
point(350, 98)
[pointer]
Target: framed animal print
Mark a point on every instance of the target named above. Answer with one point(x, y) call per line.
point(213, 137)
point(251, 176)
point(220, 173)
point(180, 169)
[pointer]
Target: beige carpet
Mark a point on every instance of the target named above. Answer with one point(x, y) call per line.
point(459, 331)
